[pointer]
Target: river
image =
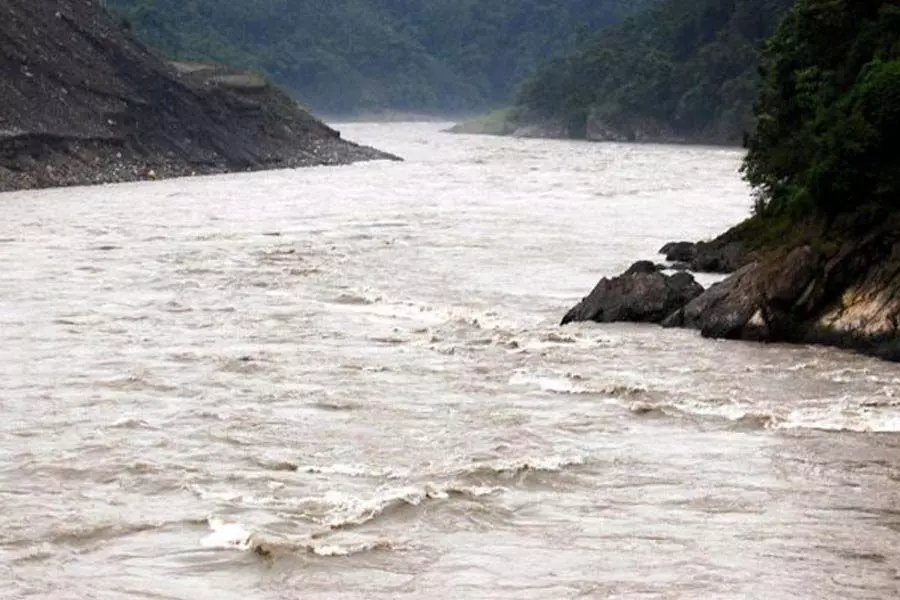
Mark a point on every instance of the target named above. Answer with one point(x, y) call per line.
point(350, 383)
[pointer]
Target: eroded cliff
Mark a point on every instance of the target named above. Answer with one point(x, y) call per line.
point(81, 101)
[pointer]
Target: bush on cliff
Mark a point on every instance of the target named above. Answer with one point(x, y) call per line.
point(829, 109)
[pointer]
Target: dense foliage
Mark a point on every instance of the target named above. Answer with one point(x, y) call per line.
point(686, 67)
point(829, 111)
point(342, 56)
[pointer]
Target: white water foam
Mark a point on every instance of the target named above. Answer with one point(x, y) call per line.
point(345, 510)
point(836, 415)
point(227, 535)
point(235, 536)
point(530, 463)
point(572, 383)
point(352, 471)
point(558, 385)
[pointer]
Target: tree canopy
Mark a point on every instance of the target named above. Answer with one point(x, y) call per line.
point(829, 111)
point(688, 66)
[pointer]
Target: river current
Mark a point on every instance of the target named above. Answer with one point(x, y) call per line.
point(350, 383)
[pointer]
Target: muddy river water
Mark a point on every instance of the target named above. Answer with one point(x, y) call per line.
point(350, 383)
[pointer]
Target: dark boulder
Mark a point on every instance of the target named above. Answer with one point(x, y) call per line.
point(724, 310)
point(712, 257)
point(721, 255)
point(640, 294)
point(761, 301)
point(683, 252)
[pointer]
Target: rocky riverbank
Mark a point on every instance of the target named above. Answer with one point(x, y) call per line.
point(835, 287)
point(83, 102)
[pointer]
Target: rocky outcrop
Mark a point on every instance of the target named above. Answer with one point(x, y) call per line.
point(724, 254)
point(638, 130)
point(842, 291)
point(679, 251)
point(847, 295)
point(541, 130)
point(81, 101)
point(731, 301)
point(641, 294)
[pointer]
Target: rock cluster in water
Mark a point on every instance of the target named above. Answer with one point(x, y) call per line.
point(717, 256)
point(845, 294)
point(82, 101)
point(641, 294)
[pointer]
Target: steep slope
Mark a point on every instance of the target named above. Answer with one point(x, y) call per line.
point(82, 102)
point(372, 55)
point(684, 70)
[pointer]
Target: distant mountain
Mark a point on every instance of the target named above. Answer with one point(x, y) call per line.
point(352, 56)
point(682, 70)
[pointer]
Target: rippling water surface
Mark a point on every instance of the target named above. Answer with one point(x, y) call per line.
point(349, 383)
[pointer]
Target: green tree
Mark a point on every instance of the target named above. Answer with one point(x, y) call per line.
point(828, 111)
point(688, 66)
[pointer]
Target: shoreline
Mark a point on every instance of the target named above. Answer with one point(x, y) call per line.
point(69, 162)
point(505, 123)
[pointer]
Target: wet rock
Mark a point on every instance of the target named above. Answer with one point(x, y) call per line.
point(683, 252)
point(847, 297)
point(758, 302)
point(722, 311)
point(722, 255)
point(839, 287)
point(640, 294)
point(712, 257)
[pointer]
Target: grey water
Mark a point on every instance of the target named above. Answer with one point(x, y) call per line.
point(350, 383)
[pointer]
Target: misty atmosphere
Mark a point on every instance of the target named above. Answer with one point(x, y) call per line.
point(498, 299)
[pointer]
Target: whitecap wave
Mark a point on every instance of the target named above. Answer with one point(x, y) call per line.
point(882, 419)
point(228, 535)
point(557, 385)
point(572, 383)
point(851, 416)
point(131, 423)
point(232, 535)
point(513, 467)
point(348, 549)
point(346, 510)
point(351, 471)
point(338, 510)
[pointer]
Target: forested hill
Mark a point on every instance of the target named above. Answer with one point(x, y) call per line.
point(681, 70)
point(351, 56)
